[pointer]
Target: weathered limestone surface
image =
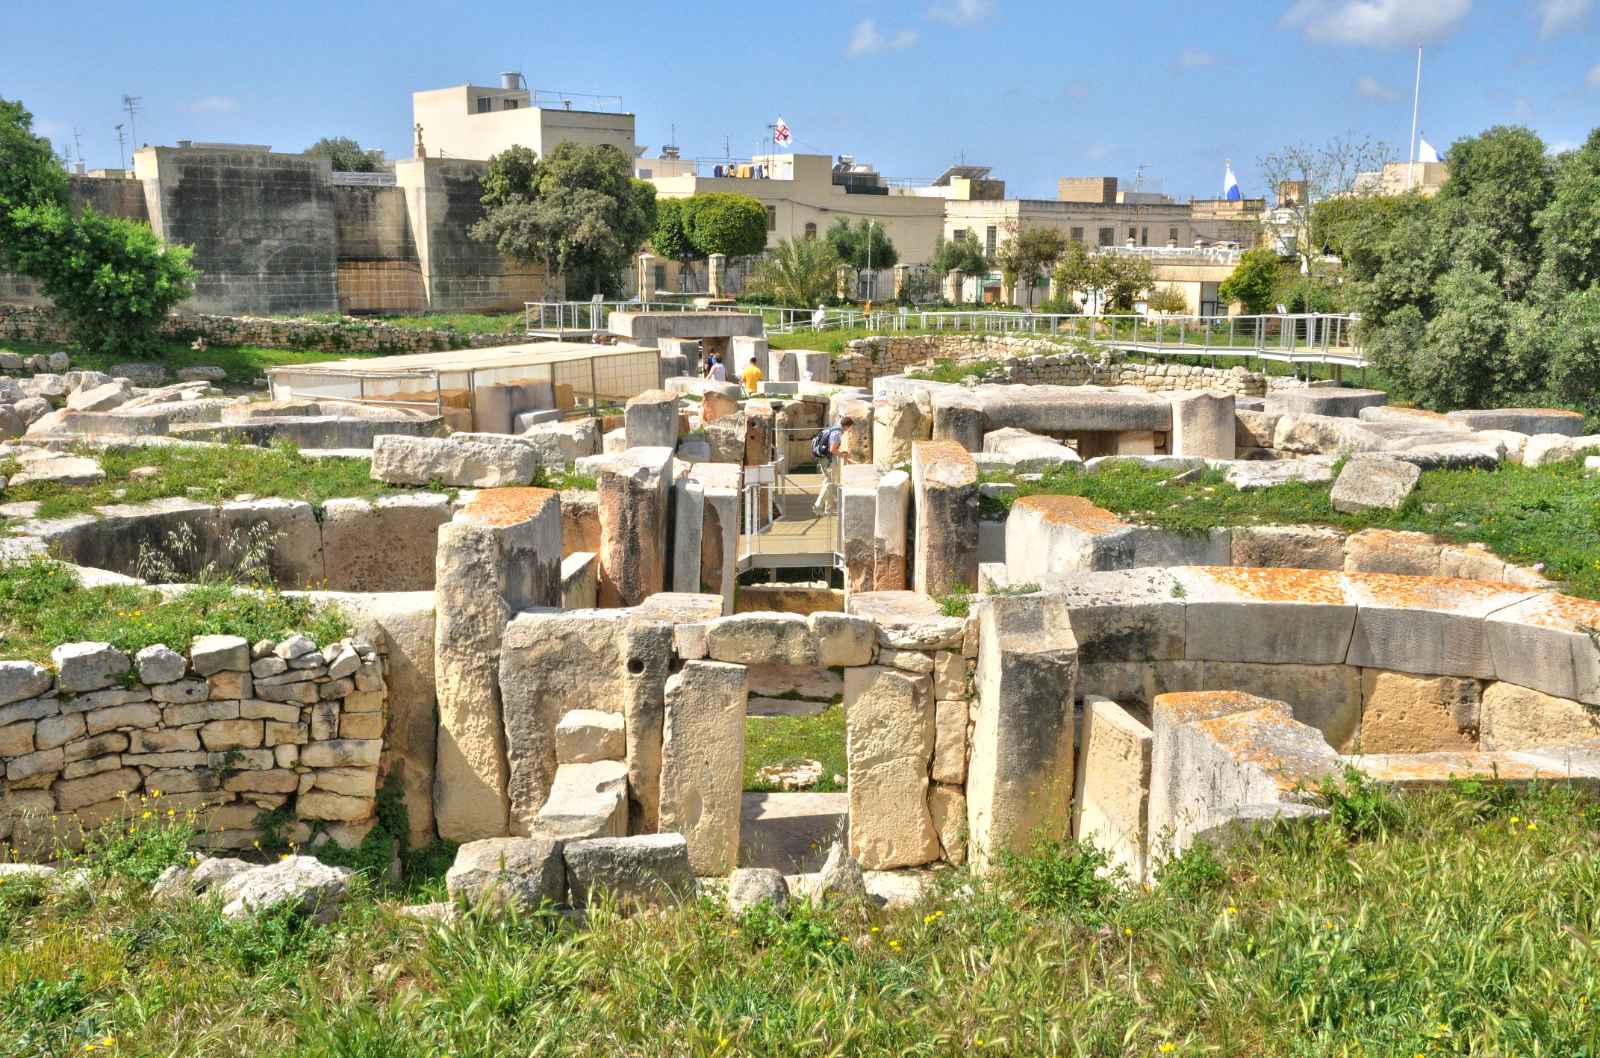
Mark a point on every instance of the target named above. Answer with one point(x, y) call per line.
point(1370, 483)
point(945, 481)
point(1269, 616)
point(587, 735)
point(702, 762)
point(889, 531)
point(500, 554)
point(1547, 642)
point(858, 511)
point(1203, 425)
point(761, 638)
point(527, 872)
point(586, 801)
point(1404, 713)
point(1426, 625)
point(1111, 804)
point(635, 508)
point(1514, 717)
point(1019, 776)
point(1291, 546)
point(651, 419)
point(889, 733)
point(898, 422)
point(647, 870)
point(387, 544)
point(478, 464)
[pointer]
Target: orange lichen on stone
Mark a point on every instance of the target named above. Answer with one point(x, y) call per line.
point(1278, 584)
point(502, 507)
point(1074, 511)
point(1189, 706)
point(1562, 612)
point(944, 463)
point(1439, 593)
point(1424, 768)
point(1266, 738)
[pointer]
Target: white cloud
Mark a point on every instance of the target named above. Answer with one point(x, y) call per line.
point(1378, 23)
point(1368, 87)
point(1194, 59)
point(1558, 15)
point(214, 105)
point(1099, 152)
point(866, 39)
point(962, 12)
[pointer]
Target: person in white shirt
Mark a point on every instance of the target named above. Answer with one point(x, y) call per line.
point(715, 370)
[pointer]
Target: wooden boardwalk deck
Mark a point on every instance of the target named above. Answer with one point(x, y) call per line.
point(799, 538)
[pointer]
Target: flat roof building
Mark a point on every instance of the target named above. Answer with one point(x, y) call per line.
point(476, 122)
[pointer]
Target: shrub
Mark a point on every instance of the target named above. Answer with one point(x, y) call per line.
point(151, 837)
point(1358, 806)
point(1066, 877)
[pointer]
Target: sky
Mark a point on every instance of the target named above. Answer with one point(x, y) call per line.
point(1027, 87)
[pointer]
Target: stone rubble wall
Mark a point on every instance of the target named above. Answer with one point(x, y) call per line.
point(1034, 361)
point(227, 732)
point(27, 323)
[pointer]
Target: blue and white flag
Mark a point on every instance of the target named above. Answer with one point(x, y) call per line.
point(1230, 184)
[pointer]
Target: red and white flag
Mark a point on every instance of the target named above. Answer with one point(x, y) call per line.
point(781, 134)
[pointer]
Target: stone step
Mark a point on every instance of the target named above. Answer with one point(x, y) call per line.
point(586, 801)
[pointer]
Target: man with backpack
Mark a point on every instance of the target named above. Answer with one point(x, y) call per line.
point(828, 448)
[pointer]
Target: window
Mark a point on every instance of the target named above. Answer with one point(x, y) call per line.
point(1144, 236)
point(772, 218)
point(661, 277)
point(485, 104)
point(1172, 235)
point(1108, 236)
point(1077, 234)
point(645, 174)
point(811, 230)
point(1133, 234)
point(989, 234)
point(511, 104)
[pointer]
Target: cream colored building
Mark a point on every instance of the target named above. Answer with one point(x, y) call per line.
point(476, 122)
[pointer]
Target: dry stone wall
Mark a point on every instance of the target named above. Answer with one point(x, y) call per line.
point(227, 731)
point(1034, 361)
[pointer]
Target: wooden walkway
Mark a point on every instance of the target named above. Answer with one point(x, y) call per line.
point(799, 538)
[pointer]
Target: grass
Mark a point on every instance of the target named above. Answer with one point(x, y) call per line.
point(1463, 923)
point(42, 605)
point(1548, 514)
point(791, 739)
point(459, 322)
point(208, 474)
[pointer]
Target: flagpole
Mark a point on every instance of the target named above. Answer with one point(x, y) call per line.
point(1416, 98)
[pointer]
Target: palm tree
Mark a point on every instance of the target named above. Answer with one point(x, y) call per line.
point(797, 272)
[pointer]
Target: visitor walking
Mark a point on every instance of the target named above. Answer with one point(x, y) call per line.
point(715, 371)
point(751, 378)
point(828, 448)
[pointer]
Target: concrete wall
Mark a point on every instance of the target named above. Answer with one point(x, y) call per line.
point(261, 224)
point(452, 127)
point(379, 270)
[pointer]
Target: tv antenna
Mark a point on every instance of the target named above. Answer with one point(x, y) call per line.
point(122, 146)
point(133, 104)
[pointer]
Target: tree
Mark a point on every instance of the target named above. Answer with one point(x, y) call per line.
point(345, 154)
point(861, 245)
point(1168, 300)
point(110, 278)
point(1074, 271)
point(725, 223)
point(1320, 173)
point(1252, 281)
point(578, 211)
point(1118, 279)
point(1569, 226)
point(962, 254)
point(1028, 251)
point(797, 272)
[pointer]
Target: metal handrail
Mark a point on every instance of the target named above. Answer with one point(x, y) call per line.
point(591, 315)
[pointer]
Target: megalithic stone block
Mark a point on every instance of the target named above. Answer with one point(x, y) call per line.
point(635, 505)
point(702, 762)
point(889, 734)
point(500, 554)
point(945, 480)
point(1020, 771)
point(651, 419)
point(890, 517)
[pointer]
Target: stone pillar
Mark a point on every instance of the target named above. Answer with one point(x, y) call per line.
point(959, 417)
point(688, 517)
point(702, 762)
point(718, 402)
point(651, 419)
point(635, 504)
point(758, 433)
point(645, 280)
point(889, 747)
point(1019, 775)
point(953, 281)
point(716, 275)
point(1110, 805)
point(719, 486)
point(902, 274)
point(945, 479)
point(500, 554)
point(889, 531)
point(1203, 424)
point(858, 505)
point(898, 421)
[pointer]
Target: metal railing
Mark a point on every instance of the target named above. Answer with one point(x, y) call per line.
point(546, 317)
point(780, 527)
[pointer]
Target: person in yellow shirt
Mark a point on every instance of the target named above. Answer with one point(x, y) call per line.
point(751, 378)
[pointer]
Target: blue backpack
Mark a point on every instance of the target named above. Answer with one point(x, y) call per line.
point(822, 444)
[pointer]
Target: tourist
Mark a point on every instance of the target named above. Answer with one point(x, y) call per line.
point(715, 371)
point(751, 378)
point(828, 448)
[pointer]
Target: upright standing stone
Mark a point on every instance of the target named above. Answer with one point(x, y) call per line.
point(702, 762)
point(889, 748)
point(889, 531)
point(1203, 424)
point(946, 482)
point(499, 555)
point(899, 421)
point(1019, 773)
point(651, 419)
point(1111, 807)
point(758, 432)
point(635, 492)
point(858, 507)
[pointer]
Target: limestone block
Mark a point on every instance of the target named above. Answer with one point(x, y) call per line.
point(651, 419)
point(580, 522)
point(231, 734)
point(561, 444)
point(1547, 643)
point(1265, 474)
point(212, 654)
point(635, 499)
point(182, 691)
point(586, 801)
point(1050, 534)
point(761, 638)
point(1289, 546)
point(858, 511)
point(1110, 806)
point(889, 738)
point(648, 870)
point(915, 662)
point(749, 886)
point(908, 620)
point(945, 483)
point(1326, 697)
point(1202, 425)
point(897, 422)
point(1134, 615)
point(21, 680)
point(1521, 420)
point(587, 735)
point(310, 886)
point(702, 762)
point(1271, 616)
point(1424, 771)
point(88, 666)
point(1392, 551)
point(1253, 429)
point(950, 741)
point(388, 544)
point(1514, 717)
point(1372, 483)
point(1330, 401)
point(111, 717)
point(1020, 767)
point(1405, 713)
point(528, 872)
point(1426, 625)
point(159, 664)
point(54, 731)
point(947, 807)
point(500, 554)
point(94, 789)
point(891, 511)
point(842, 640)
point(401, 460)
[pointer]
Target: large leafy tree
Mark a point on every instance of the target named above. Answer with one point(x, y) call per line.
point(345, 153)
point(861, 245)
point(725, 223)
point(963, 254)
point(1119, 278)
point(110, 278)
point(1028, 251)
point(797, 272)
point(578, 211)
point(1252, 281)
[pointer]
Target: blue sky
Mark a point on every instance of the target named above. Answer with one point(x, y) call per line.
point(1034, 89)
